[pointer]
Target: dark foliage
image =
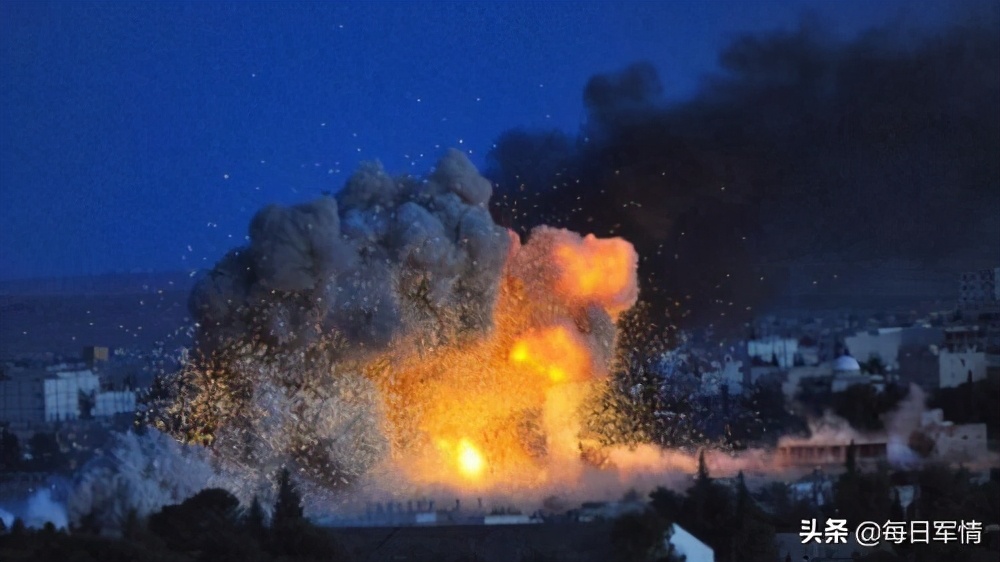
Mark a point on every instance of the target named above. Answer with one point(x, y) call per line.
point(976, 402)
point(288, 507)
point(199, 523)
point(729, 521)
point(10, 451)
point(640, 537)
point(863, 406)
point(46, 455)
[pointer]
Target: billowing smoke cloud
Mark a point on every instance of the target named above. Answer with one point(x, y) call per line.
point(805, 149)
point(138, 474)
point(289, 323)
point(397, 327)
point(383, 256)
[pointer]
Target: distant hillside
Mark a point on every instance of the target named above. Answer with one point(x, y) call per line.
point(60, 316)
point(106, 284)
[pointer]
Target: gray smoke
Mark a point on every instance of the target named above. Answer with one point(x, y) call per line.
point(137, 474)
point(287, 322)
point(383, 257)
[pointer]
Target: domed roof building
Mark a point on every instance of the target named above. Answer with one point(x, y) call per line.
point(846, 364)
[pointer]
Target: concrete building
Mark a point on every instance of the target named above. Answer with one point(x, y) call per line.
point(885, 343)
point(797, 376)
point(847, 373)
point(815, 488)
point(769, 350)
point(63, 391)
point(608, 511)
point(688, 545)
point(53, 396)
point(817, 453)
point(979, 291)
point(95, 356)
point(22, 401)
point(957, 368)
point(980, 337)
point(111, 403)
point(729, 373)
point(919, 365)
point(954, 443)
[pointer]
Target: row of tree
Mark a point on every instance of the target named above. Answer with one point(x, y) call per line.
point(209, 526)
point(741, 526)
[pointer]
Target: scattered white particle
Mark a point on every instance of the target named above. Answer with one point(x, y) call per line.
point(460, 141)
point(189, 248)
point(322, 124)
point(419, 100)
point(225, 176)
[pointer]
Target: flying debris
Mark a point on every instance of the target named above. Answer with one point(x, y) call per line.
point(396, 328)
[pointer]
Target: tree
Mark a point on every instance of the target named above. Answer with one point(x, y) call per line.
point(851, 461)
point(10, 451)
point(45, 452)
point(288, 507)
point(87, 403)
point(668, 503)
point(255, 521)
point(753, 536)
point(707, 511)
point(874, 366)
point(703, 477)
point(198, 522)
point(642, 537)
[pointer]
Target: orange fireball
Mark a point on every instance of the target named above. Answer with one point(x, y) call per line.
point(555, 351)
point(601, 271)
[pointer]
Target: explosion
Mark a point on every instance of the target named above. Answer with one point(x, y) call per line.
point(396, 329)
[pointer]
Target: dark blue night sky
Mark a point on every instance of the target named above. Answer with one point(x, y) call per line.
point(143, 136)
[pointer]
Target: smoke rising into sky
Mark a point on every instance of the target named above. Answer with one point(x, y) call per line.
point(805, 148)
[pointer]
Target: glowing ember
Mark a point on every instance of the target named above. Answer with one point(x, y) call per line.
point(398, 328)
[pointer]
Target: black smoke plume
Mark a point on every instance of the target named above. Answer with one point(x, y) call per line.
point(804, 150)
